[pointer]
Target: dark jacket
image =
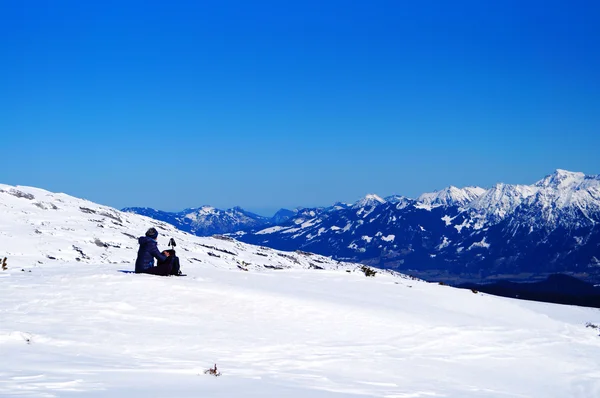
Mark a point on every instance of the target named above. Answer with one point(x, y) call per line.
point(147, 252)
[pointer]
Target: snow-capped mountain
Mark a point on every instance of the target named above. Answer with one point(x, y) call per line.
point(563, 198)
point(499, 201)
point(369, 201)
point(566, 199)
point(451, 196)
point(519, 231)
point(207, 220)
point(277, 324)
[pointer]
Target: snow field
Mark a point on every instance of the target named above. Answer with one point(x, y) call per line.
point(93, 331)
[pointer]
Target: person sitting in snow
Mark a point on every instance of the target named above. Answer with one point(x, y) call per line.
point(167, 261)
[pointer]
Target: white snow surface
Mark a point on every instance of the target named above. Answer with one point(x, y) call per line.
point(73, 328)
point(270, 230)
point(481, 244)
point(445, 243)
point(448, 220)
point(388, 238)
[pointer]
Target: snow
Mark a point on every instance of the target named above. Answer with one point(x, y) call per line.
point(481, 244)
point(355, 247)
point(309, 223)
point(366, 238)
point(464, 224)
point(444, 244)
point(319, 232)
point(270, 230)
point(425, 206)
point(501, 200)
point(388, 238)
point(400, 201)
point(561, 179)
point(80, 328)
point(292, 333)
point(448, 220)
point(347, 227)
point(203, 211)
point(562, 198)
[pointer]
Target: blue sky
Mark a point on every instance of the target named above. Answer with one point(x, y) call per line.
point(269, 104)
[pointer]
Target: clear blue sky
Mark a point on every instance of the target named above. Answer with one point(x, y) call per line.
point(268, 104)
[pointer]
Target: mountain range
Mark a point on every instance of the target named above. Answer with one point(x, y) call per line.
point(207, 220)
point(519, 232)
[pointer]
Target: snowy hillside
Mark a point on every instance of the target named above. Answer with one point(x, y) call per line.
point(43, 228)
point(71, 325)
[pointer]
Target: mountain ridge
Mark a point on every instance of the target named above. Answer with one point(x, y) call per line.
point(520, 231)
point(471, 233)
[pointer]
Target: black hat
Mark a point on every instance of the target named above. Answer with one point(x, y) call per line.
point(152, 233)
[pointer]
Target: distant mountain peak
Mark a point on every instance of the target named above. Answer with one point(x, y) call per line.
point(561, 179)
point(283, 215)
point(370, 200)
point(206, 210)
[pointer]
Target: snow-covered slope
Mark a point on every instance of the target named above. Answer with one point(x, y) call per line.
point(38, 227)
point(72, 326)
